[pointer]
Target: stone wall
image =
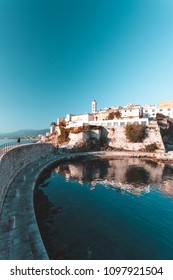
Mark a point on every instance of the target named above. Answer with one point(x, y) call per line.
point(116, 138)
point(82, 137)
point(15, 160)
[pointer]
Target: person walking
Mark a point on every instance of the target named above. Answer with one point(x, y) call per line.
point(18, 140)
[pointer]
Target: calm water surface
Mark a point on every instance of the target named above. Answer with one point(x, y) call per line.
point(22, 141)
point(107, 209)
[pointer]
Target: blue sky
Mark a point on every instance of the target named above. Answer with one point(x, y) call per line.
point(58, 55)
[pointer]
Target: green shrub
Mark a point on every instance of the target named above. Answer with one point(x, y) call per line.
point(135, 132)
point(151, 147)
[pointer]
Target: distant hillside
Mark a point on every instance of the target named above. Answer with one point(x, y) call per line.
point(24, 133)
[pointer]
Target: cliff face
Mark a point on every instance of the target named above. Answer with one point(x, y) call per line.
point(85, 138)
point(100, 137)
point(117, 139)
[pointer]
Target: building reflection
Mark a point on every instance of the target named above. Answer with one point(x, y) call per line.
point(131, 174)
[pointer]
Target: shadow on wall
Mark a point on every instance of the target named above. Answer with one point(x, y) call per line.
point(167, 135)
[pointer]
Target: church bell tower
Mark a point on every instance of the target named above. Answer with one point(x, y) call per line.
point(94, 106)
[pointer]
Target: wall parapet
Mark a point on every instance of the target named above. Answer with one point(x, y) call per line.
point(14, 160)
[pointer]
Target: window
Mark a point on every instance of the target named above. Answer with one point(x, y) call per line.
point(146, 110)
point(115, 124)
point(153, 110)
point(169, 109)
point(122, 123)
point(143, 122)
point(160, 110)
point(109, 124)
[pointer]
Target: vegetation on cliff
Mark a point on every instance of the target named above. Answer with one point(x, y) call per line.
point(151, 147)
point(114, 115)
point(160, 117)
point(135, 132)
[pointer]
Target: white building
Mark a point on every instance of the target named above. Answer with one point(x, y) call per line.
point(111, 123)
point(52, 127)
point(131, 111)
point(86, 117)
point(166, 111)
point(150, 111)
point(94, 106)
point(165, 108)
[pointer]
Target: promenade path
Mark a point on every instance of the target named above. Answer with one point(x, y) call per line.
point(19, 234)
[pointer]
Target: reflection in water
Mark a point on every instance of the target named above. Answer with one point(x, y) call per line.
point(107, 209)
point(137, 176)
point(45, 213)
point(130, 174)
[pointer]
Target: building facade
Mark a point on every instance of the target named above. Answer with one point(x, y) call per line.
point(165, 108)
point(131, 113)
point(94, 106)
point(79, 118)
point(110, 123)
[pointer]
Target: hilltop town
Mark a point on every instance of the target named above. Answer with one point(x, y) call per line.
point(108, 127)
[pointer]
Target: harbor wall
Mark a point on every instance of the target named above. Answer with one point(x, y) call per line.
point(115, 137)
point(17, 158)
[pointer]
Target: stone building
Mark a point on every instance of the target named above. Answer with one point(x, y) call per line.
point(86, 117)
point(94, 106)
point(130, 111)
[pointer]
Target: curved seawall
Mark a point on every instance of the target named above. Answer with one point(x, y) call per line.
point(20, 237)
point(13, 161)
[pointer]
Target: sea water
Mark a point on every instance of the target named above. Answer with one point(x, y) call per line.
point(107, 209)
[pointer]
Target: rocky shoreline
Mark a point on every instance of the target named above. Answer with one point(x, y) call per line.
point(160, 156)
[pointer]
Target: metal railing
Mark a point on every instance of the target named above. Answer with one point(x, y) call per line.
point(10, 145)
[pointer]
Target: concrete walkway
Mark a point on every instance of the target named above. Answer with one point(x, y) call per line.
point(19, 234)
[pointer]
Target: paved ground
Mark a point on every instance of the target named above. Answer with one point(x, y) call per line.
point(19, 234)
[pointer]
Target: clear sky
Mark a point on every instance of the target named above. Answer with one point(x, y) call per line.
point(58, 55)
